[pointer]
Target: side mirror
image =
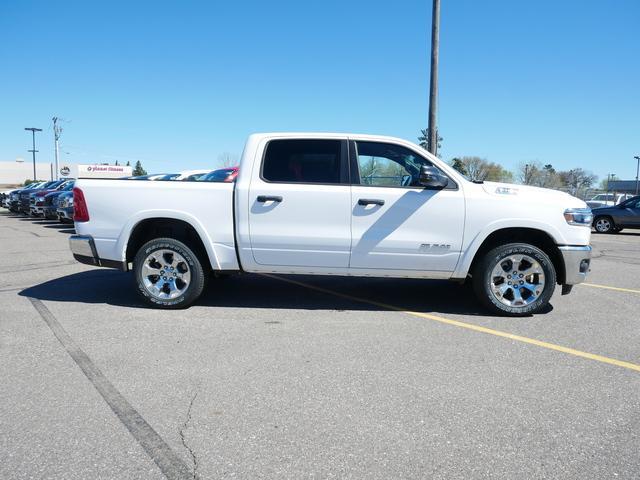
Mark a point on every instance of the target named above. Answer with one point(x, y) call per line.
point(431, 177)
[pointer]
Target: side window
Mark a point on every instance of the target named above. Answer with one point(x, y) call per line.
point(303, 161)
point(388, 165)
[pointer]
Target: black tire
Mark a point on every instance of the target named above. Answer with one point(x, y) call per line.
point(483, 282)
point(604, 224)
point(194, 287)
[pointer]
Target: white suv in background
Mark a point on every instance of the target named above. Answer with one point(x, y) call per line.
point(608, 199)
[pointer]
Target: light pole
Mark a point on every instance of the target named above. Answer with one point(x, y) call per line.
point(433, 83)
point(33, 134)
point(637, 171)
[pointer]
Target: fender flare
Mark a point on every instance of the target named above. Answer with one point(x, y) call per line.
point(132, 223)
point(468, 254)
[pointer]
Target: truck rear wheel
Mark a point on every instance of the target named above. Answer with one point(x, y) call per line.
point(515, 279)
point(168, 273)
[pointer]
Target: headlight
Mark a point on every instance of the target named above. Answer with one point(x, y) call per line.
point(578, 216)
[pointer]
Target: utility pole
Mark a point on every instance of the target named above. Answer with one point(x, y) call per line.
point(433, 84)
point(33, 134)
point(56, 135)
point(637, 171)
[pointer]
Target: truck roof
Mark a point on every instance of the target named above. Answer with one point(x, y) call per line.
point(365, 136)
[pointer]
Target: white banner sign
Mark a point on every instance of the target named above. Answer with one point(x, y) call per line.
point(104, 171)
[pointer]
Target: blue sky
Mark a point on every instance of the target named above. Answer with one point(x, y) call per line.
point(175, 84)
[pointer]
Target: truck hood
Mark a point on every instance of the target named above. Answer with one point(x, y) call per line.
point(527, 193)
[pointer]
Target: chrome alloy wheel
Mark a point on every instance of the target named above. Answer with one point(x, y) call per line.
point(603, 225)
point(517, 280)
point(165, 274)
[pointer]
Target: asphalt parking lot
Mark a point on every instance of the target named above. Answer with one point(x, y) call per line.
point(310, 377)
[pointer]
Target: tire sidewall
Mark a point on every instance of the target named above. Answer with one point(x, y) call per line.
point(482, 279)
point(196, 285)
point(611, 225)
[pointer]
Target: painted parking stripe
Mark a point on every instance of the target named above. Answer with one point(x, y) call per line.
point(160, 452)
point(470, 326)
point(607, 287)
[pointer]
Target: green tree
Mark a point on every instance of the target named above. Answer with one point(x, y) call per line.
point(138, 170)
point(423, 140)
point(458, 165)
point(577, 180)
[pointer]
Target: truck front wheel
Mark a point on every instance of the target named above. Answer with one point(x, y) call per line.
point(515, 279)
point(168, 274)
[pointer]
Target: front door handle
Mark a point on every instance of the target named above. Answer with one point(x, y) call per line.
point(370, 201)
point(269, 198)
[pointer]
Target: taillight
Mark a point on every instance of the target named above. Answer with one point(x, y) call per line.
point(80, 210)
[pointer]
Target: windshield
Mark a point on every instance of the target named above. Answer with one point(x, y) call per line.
point(170, 176)
point(603, 197)
point(195, 176)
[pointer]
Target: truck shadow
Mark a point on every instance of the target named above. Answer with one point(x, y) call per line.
point(258, 291)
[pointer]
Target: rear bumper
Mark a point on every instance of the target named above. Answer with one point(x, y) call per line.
point(84, 250)
point(577, 260)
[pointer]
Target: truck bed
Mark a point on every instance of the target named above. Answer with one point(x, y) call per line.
point(116, 206)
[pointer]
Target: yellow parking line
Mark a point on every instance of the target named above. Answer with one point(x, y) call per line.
point(470, 326)
point(607, 287)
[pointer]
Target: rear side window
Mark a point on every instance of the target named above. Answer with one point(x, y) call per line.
point(303, 161)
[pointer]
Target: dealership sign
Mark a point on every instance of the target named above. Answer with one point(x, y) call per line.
point(103, 171)
point(65, 171)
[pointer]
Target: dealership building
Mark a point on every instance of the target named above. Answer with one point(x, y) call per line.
point(624, 186)
point(15, 173)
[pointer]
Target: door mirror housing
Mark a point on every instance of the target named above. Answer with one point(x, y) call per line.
point(430, 177)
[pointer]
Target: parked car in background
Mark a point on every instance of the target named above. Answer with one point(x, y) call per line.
point(228, 174)
point(50, 203)
point(191, 175)
point(14, 196)
point(65, 207)
point(613, 219)
point(21, 198)
point(25, 196)
point(607, 199)
point(36, 199)
point(156, 176)
point(5, 197)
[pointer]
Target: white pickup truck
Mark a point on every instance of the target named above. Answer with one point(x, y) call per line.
point(336, 204)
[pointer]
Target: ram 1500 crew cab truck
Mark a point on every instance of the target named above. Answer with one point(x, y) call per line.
point(336, 204)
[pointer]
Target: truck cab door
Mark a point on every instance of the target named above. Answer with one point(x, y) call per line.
point(398, 224)
point(300, 205)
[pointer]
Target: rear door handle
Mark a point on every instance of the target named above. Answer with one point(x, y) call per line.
point(269, 198)
point(370, 201)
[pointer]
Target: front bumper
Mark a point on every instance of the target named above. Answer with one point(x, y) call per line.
point(65, 213)
point(577, 260)
point(84, 250)
point(36, 210)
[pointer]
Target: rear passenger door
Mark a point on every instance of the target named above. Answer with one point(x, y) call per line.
point(300, 204)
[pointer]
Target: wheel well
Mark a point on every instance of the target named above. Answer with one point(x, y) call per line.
point(532, 236)
point(603, 216)
point(167, 227)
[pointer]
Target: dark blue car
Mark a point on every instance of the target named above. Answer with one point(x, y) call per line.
point(615, 218)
